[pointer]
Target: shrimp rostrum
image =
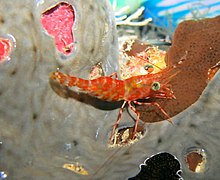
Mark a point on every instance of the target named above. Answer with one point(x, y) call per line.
point(129, 90)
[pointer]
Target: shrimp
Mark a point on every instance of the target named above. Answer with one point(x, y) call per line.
point(129, 90)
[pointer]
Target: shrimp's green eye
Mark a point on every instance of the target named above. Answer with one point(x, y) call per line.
point(155, 86)
point(149, 68)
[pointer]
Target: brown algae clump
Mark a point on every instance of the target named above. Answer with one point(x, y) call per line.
point(198, 43)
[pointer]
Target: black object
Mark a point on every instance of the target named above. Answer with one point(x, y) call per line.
point(162, 166)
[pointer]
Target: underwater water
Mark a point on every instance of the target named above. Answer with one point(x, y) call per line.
point(43, 126)
point(169, 13)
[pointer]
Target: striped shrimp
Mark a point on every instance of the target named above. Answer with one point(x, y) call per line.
point(129, 90)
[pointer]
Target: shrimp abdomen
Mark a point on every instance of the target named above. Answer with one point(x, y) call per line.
point(104, 88)
point(107, 88)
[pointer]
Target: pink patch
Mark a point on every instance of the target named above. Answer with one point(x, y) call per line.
point(58, 22)
point(6, 46)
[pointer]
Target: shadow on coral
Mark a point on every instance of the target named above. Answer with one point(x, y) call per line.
point(66, 92)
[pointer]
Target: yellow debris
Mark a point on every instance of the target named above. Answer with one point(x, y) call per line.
point(77, 168)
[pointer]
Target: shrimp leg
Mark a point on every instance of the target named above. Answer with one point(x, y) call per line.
point(158, 106)
point(118, 120)
point(137, 119)
point(114, 74)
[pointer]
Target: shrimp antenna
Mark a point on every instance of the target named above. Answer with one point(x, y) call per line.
point(108, 160)
point(182, 59)
point(151, 63)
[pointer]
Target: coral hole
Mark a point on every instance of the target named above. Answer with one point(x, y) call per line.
point(58, 22)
